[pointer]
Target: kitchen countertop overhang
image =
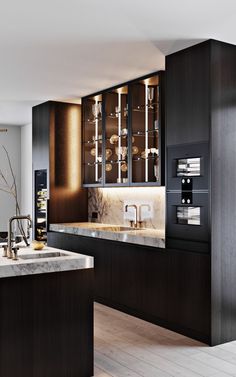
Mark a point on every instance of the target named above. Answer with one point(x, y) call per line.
point(146, 237)
point(27, 264)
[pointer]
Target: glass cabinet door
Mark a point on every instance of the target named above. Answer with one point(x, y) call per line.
point(145, 129)
point(116, 136)
point(92, 140)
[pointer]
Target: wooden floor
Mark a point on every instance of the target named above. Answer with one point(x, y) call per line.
point(127, 346)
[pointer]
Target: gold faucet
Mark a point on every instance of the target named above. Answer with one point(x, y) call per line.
point(136, 213)
point(140, 221)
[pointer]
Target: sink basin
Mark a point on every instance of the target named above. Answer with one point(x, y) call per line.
point(42, 255)
point(116, 228)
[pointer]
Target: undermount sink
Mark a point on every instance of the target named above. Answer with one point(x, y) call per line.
point(116, 228)
point(42, 255)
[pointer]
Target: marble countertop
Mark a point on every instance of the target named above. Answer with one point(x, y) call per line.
point(147, 237)
point(48, 260)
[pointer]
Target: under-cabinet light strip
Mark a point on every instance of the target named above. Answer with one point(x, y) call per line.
point(96, 141)
point(119, 140)
point(146, 133)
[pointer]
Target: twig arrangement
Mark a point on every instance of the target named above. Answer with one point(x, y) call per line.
point(11, 189)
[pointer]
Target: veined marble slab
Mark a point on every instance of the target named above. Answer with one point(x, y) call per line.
point(67, 261)
point(147, 237)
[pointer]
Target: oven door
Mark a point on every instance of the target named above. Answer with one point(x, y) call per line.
point(188, 162)
point(187, 224)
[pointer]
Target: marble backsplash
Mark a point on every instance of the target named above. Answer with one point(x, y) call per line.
point(108, 204)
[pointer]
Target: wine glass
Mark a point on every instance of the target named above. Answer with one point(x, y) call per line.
point(150, 96)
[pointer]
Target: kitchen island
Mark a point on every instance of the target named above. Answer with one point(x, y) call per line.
point(46, 314)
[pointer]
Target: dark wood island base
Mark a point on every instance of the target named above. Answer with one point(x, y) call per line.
point(46, 325)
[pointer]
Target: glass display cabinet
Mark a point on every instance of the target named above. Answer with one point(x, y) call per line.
point(116, 136)
point(92, 140)
point(123, 134)
point(145, 130)
point(40, 216)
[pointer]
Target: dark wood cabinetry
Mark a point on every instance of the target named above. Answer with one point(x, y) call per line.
point(156, 282)
point(188, 95)
point(46, 324)
point(200, 107)
point(169, 288)
point(128, 276)
point(123, 134)
point(189, 291)
point(57, 151)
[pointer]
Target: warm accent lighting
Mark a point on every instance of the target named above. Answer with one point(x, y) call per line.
point(73, 149)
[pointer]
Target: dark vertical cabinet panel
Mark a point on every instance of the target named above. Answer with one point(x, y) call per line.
point(40, 135)
point(223, 175)
point(127, 276)
point(189, 291)
point(187, 95)
point(155, 293)
point(57, 149)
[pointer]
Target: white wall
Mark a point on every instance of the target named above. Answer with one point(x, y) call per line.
point(26, 170)
point(11, 140)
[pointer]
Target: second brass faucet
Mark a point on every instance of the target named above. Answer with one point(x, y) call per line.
point(136, 213)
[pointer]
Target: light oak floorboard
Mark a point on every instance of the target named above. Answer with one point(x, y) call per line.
point(127, 346)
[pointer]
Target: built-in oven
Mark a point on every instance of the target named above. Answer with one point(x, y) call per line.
point(188, 223)
point(188, 163)
point(187, 197)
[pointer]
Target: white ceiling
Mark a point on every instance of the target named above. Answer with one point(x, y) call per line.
point(59, 49)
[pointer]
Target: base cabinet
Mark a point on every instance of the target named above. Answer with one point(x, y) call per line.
point(46, 325)
point(155, 293)
point(128, 276)
point(189, 292)
point(170, 288)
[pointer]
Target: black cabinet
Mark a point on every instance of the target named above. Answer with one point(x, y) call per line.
point(128, 276)
point(56, 141)
point(187, 95)
point(167, 287)
point(156, 274)
point(200, 124)
point(189, 292)
point(123, 134)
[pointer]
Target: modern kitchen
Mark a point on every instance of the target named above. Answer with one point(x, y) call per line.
point(117, 246)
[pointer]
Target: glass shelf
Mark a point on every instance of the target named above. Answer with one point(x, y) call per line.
point(136, 159)
point(116, 161)
point(92, 142)
point(92, 163)
point(143, 133)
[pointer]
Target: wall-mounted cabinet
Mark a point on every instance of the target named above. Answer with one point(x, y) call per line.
point(58, 195)
point(123, 134)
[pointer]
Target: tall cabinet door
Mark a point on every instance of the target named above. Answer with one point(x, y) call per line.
point(145, 139)
point(92, 141)
point(116, 137)
point(188, 95)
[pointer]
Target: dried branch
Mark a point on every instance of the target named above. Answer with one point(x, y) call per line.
point(12, 190)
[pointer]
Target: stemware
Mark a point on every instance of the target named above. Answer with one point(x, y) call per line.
point(150, 96)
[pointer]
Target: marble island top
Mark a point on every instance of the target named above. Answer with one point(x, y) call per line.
point(48, 260)
point(147, 237)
